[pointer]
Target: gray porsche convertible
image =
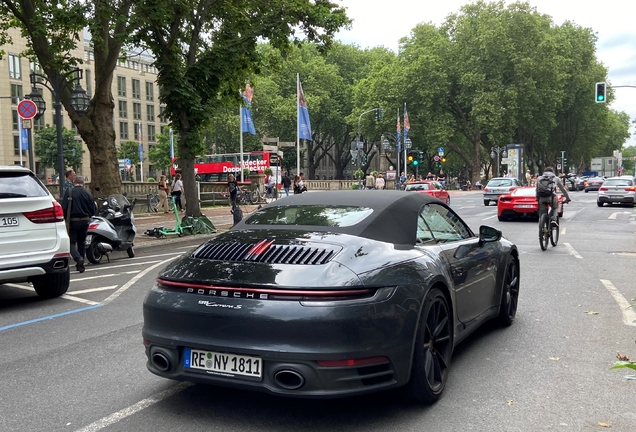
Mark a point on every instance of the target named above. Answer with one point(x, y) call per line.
point(330, 294)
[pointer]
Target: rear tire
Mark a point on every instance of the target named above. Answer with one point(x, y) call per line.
point(554, 233)
point(433, 350)
point(92, 253)
point(131, 252)
point(502, 218)
point(486, 202)
point(544, 231)
point(52, 285)
point(599, 204)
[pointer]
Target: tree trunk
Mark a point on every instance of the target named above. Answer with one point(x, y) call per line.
point(186, 164)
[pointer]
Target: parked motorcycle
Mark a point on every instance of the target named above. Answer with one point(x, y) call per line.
point(113, 229)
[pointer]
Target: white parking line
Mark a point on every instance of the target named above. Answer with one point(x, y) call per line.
point(563, 231)
point(572, 251)
point(128, 284)
point(490, 217)
point(133, 409)
point(98, 267)
point(629, 315)
point(90, 290)
point(79, 299)
point(105, 276)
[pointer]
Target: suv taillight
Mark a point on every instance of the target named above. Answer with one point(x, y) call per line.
point(48, 215)
point(630, 189)
point(602, 189)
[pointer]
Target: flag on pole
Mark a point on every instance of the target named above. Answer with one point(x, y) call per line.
point(398, 133)
point(141, 143)
point(304, 127)
point(407, 124)
point(247, 124)
point(171, 134)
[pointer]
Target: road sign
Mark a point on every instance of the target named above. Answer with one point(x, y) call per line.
point(360, 145)
point(441, 149)
point(287, 144)
point(128, 164)
point(436, 158)
point(27, 109)
point(558, 166)
point(354, 154)
point(26, 123)
point(440, 154)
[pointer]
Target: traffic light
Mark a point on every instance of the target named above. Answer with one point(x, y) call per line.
point(443, 160)
point(600, 92)
point(412, 157)
point(378, 114)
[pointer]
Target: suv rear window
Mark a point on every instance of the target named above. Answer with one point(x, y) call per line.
point(20, 185)
point(618, 182)
point(496, 183)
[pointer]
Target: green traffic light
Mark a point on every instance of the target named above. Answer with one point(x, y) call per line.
point(600, 98)
point(415, 162)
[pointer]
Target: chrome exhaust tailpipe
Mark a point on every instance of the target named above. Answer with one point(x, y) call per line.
point(59, 264)
point(289, 379)
point(160, 361)
point(104, 247)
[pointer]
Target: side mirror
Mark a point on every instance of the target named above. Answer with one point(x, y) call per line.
point(488, 234)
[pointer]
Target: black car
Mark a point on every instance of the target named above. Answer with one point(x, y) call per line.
point(330, 294)
point(593, 184)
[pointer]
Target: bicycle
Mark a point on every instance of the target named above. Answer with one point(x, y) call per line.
point(153, 202)
point(548, 230)
point(268, 194)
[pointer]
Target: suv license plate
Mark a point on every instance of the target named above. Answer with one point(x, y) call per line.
point(9, 221)
point(223, 364)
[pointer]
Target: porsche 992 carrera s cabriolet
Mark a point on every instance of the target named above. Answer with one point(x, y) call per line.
point(331, 294)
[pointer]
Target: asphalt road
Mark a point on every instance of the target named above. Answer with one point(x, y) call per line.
point(77, 363)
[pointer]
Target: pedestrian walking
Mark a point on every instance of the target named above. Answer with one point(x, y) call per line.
point(286, 181)
point(177, 189)
point(68, 181)
point(369, 182)
point(163, 189)
point(78, 206)
point(232, 187)
point(379, 182)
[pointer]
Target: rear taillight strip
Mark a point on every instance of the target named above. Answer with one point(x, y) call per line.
point(279, 292)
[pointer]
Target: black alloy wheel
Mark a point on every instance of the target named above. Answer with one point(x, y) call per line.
point(433, 350)
point(509, 294)
point(93, 253)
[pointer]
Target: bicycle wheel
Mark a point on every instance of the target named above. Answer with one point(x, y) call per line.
point(554, 233)
point(153, 202)
point(544, 231)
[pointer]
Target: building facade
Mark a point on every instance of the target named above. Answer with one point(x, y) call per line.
point(137, 116)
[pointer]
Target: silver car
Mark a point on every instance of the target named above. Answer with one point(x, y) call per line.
point(620, 190)
point(499, 186)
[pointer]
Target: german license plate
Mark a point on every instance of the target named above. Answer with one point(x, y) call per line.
point(9, 221)
point(524, 206)
point(223, 364)
point(615, 196)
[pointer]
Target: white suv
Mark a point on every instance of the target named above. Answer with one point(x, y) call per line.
point(617, 190)
point(34, 245)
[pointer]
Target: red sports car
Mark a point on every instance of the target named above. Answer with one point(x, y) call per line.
point(430, 187)
point(522, 202)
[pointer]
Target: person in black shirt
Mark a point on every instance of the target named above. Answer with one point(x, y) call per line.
point(78, 206)
point(232, 187)
point(286, 181)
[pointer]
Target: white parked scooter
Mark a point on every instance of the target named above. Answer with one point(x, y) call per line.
point(113, 229)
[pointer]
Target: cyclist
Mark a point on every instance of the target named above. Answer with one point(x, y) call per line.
point(546, 185)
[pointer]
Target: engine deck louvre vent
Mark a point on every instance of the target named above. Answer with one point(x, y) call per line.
point(296, 254)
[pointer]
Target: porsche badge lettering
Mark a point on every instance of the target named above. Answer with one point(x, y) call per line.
point(228, 293)
point(219, 305)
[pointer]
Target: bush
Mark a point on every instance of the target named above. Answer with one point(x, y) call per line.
point(358, 174)
point(268, 171)
point(151, 180)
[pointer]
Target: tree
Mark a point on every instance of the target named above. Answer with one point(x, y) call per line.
point(45, 147)
point(159, 154)
point(52, 30)
point(129, 150)
point(206, 51)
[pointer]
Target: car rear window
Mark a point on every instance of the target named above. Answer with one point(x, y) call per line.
point(417, 187)
point(497, 183)
point(20, 185)
point(310, 215)
point(525, 192)
point(618, 182)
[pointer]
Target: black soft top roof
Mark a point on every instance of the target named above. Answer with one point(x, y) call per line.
point(394, 217)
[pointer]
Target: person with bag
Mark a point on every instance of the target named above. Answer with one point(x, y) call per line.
point(232, 187)
point(546, 186)
point(177, 189)
point(163, 195)
point(78, 206)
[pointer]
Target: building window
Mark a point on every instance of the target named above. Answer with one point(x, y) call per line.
point(121, 86)
point(136, 111)
point(150, 92)
point(123, 109)
point(162, 116)
point(14, 114)
point(151, 133)
point(123, 130)
point(136, 130)
point(136, 89)
point(150, 113)
point(15, 71)
point(38, 124)
point(16, 93)
point(16, 145)
point(36, 69)
point(89, 83)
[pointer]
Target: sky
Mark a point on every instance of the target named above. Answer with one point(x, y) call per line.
point(613, 21)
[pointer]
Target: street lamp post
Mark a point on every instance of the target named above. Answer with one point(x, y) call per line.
point(387, 147)
point(498, 151)
point(79, 101)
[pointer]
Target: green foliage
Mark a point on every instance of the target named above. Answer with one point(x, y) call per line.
point(129, 150)
point(626, 364)
point(151, 180)
point(358, 174)
point(45, 147)
point(246, 172)
point(268, 171)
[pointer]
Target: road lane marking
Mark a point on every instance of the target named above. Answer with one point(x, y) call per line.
point(79, 299)
point(48, 317)
point(155, 256)
point(563, 231)
point(130, 283)
point(629, 315)
point(613, 215)
point(465, 207)
point(572, 251)
point(106, 275)
point(490, 217)
point(98, 268)
point(90, 290)
point(133, 409)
